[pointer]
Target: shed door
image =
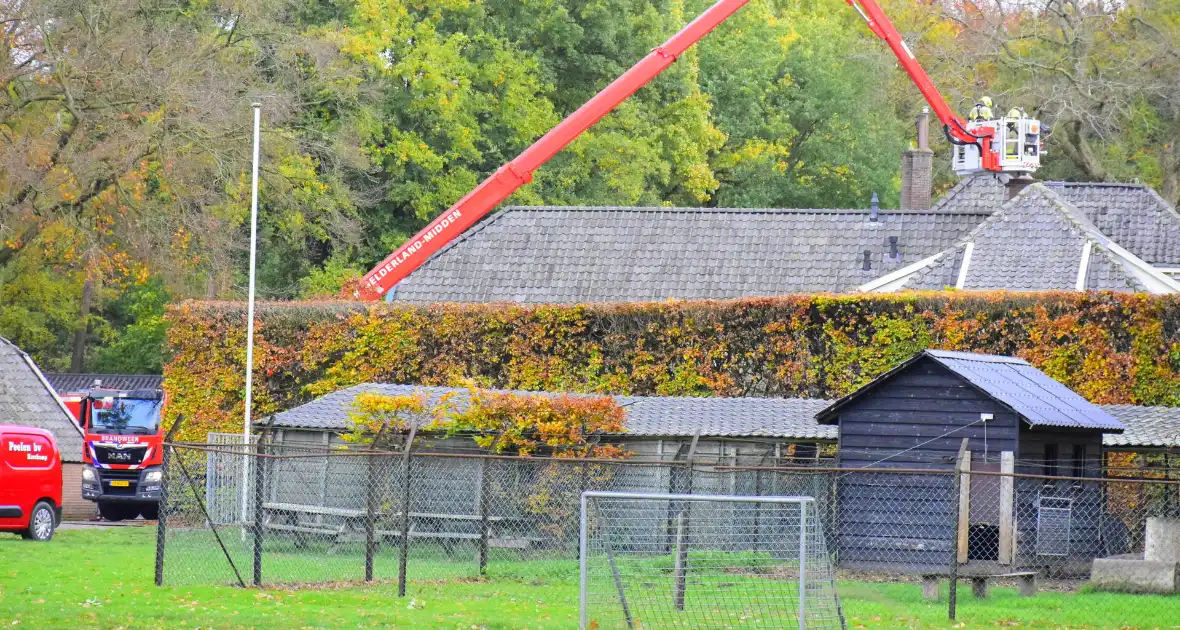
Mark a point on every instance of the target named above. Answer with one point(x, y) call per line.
point(983, 542)
point(985, 492)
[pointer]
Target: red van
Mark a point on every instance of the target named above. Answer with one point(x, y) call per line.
point(30, 482)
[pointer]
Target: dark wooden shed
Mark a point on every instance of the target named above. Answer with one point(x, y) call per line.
point(1015, 419)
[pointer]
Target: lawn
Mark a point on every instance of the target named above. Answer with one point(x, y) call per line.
point(103, 579)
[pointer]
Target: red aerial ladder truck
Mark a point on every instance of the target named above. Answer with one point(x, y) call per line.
point(1004, 145)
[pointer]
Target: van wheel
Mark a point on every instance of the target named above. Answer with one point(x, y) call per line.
point(116, 512)
point(150, 511)
point(42, 522)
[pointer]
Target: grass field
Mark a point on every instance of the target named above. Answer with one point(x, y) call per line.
point(103, 579)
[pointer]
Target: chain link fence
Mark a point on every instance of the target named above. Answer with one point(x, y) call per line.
point(276, 514)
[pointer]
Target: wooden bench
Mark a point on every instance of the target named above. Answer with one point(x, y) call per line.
point(291, 518)
point(1025, 580)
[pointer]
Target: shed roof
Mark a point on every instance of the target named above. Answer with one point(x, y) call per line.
point(1011, 381)
point(27, 399)
point(64, 383)
point(786, 418)
point(610, 254)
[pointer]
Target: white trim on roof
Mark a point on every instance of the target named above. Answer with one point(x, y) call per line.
point(896, 279)
point(967, 250)
point(1155, 280)
point(1084, 266)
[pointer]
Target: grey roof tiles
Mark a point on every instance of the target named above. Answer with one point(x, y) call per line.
point(64, 383)
point(1034, 242)
point(784, 418)
point(791, 418)
point(1146, 426)
point(620, 254)
point(27, 400)
point(562, 255)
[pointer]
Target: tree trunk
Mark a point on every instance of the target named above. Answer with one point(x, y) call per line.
point(1077, 147)
point(1170, 166)
point(78, 360)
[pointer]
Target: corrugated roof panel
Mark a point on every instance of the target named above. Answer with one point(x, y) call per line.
point(1029, 391)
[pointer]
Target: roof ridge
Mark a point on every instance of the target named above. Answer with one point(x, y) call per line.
point(976, 356)
point(1064, 184)
point(735, 210)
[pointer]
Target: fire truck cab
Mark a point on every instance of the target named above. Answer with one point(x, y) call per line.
point(122, 449)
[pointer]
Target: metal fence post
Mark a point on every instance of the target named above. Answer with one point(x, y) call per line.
point(259, 487)
point(371, 505)
point(404, 551)
point(484, 521)
point(483, 515)
point(680, 568)
point(162, 520)
point(953, 598)
point(582, 559)
point(803, 565)
point(370, 516)
point(162, 517)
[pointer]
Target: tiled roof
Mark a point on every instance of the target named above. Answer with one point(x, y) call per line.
point(1132, 215)
point(25, 399)
point(1146, 426)
point(67, 383)
point(979, 194)
point(1033, 243)
point(1012, 381)
point(788, 418)
point(579, 254)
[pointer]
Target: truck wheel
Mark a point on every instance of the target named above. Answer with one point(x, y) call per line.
point(42, 523)
point(150, 511)
point(116, 512)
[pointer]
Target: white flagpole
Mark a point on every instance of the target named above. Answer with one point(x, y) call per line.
point(247, 424)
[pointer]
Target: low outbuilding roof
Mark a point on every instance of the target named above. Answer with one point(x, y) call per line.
point(795, 418)
point(1146, 427)
point(1011, 381)
point(786, 418)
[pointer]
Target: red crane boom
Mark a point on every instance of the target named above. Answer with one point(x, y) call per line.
point(511, 176)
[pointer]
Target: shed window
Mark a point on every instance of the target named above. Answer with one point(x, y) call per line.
point(1051, 461)
point(1079, 460)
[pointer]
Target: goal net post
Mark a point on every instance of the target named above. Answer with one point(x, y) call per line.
point(699, 561)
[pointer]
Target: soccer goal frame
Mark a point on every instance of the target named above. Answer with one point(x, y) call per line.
point(680, 541)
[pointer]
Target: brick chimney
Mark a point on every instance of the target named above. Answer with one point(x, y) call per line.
point(917, 168)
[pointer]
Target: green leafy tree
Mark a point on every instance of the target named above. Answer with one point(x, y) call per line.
point(805, 111)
